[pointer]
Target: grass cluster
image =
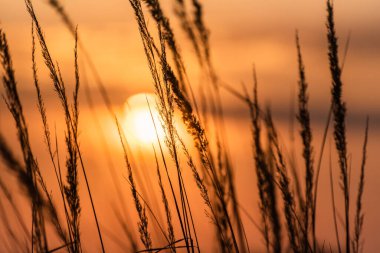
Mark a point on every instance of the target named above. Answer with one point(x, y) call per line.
point(287, 204)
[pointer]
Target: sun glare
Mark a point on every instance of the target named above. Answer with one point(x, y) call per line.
point(139, 113)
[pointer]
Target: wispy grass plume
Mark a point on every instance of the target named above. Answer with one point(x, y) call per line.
point(71, 189)
point(265, 179)
point(190, 119)
point(71, 120)
point(161, 20)
point(42, 110)
point(306, 135)
point(339, 113)
point(39, 241)
point(291, 218)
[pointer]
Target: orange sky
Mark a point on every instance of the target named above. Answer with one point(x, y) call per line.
point(243, 32)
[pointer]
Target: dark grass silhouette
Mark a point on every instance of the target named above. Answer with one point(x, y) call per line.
point(281, 207)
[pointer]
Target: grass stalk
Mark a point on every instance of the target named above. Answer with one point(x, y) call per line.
point(284, 186)
point(359, 216)
point(306, 135)
point(143, 223)
point(265, 180)
point(166, 204)
point(71, 121)
point(339, 113)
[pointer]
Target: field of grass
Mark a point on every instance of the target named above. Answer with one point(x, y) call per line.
point(179, 167)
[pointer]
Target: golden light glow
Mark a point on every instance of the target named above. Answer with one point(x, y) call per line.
point(139, 113)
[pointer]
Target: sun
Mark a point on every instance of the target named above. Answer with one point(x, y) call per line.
point(142, 120)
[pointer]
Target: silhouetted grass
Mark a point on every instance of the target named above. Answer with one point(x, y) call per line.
point(306, 135)
point(211, 167)
point(359, 216)
point(166, 205)
point(339, 113)
point(291, 218)
point(143, 223)
point(31, 175)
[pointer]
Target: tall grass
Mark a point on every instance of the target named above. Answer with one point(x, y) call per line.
point(359, 216)
point(339, 113)
point(283, 206)
point(307, 153)
point(71, 119)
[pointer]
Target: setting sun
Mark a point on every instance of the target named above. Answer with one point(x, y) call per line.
point(189, 126)
point(139, 113)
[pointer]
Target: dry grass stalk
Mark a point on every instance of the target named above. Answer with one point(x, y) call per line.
point(339, 113)
point(71, 121)
point(307, 153)
point(334, 206)
point(198, 35)
point(284, 186)
point(193, 125)
point(217, 179)
point(161, 20)
point(39, 240)
point(25, 181)
point(59, 8)
point(71, 188)
point(196, 130)
point(359, 216)
point(42, 110)
point(204, 194)
point(187, 26)
point(143, 223)
point(265, 180)
point(166, 205)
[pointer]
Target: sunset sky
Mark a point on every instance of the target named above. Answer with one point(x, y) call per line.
point(242, 33)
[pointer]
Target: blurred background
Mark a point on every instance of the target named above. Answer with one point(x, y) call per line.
point(242, 33)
